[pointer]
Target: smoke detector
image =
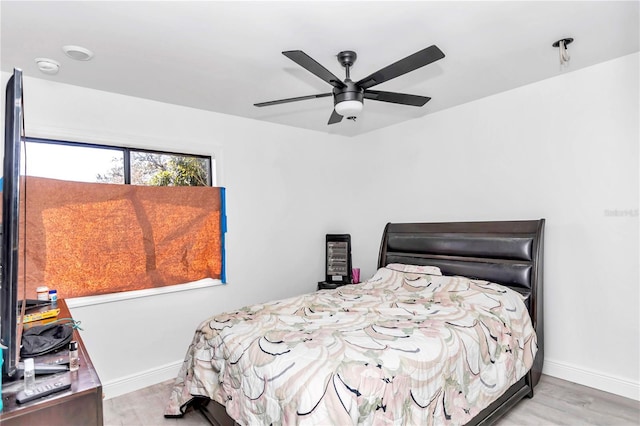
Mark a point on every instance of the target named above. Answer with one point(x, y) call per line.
point(48, 66)
point(77, 52)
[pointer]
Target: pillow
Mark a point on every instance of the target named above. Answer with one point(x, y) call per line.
point(415, 269)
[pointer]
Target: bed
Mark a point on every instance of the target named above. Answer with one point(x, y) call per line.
point(448, 331)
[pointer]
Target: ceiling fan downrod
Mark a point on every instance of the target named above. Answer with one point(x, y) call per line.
point(347, 58)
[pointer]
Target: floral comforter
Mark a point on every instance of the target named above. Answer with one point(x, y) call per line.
point(401, 348)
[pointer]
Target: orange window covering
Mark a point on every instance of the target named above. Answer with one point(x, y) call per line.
point(93, 238)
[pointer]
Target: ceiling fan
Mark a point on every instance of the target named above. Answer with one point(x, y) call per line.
point(348, 96)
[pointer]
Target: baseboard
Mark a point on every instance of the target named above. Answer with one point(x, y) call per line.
point(561, 370)
point(140, 380)
point(593, 379)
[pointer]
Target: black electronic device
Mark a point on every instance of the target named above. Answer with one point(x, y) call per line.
point(33, 304)
point(12, 240)
point(12, 289)
point(338, 259)
point(41, 368)
point(44, 388)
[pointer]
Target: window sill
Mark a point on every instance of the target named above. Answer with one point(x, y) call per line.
point(77, 302)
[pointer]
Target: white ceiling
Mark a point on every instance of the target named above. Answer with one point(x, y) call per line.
point(225, 56)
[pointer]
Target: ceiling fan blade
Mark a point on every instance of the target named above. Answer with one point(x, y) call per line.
point(396, 98)
point(403, 66)
point(310, 64)
point(299, 98)
point(335, 118)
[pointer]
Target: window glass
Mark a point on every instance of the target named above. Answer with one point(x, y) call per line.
point(159, 169)
point(74, 163)
point(109, 164)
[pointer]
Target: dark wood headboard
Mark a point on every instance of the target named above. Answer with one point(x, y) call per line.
point(508, 253)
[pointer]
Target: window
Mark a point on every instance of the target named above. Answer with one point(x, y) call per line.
point(88, 237)
point(84, 162)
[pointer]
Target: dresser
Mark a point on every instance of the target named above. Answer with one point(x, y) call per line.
point(79, 405)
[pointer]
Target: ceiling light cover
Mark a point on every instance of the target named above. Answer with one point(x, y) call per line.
point(77, 52)
point(48, 66)
point(349, 108)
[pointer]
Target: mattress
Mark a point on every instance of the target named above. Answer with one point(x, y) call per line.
point(408, 346)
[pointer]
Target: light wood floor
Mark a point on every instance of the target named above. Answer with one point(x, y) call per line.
point(556, 402)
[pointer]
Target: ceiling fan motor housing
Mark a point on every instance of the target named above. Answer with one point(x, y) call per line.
point(350, 92)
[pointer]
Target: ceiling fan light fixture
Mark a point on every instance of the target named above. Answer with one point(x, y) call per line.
point(349, 108)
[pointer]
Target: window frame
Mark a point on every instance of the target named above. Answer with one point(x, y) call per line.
point(77, 137)
point(126, 153)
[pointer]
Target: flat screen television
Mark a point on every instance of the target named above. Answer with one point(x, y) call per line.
point(10, 328)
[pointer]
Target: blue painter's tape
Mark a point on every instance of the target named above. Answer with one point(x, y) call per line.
point(223, 231)
point(1, 360)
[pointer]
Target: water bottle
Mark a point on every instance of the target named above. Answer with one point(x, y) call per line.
point(29, 374)
point(74, 360)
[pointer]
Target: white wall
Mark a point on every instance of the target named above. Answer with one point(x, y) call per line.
point(564, 149)
point(279, 197)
